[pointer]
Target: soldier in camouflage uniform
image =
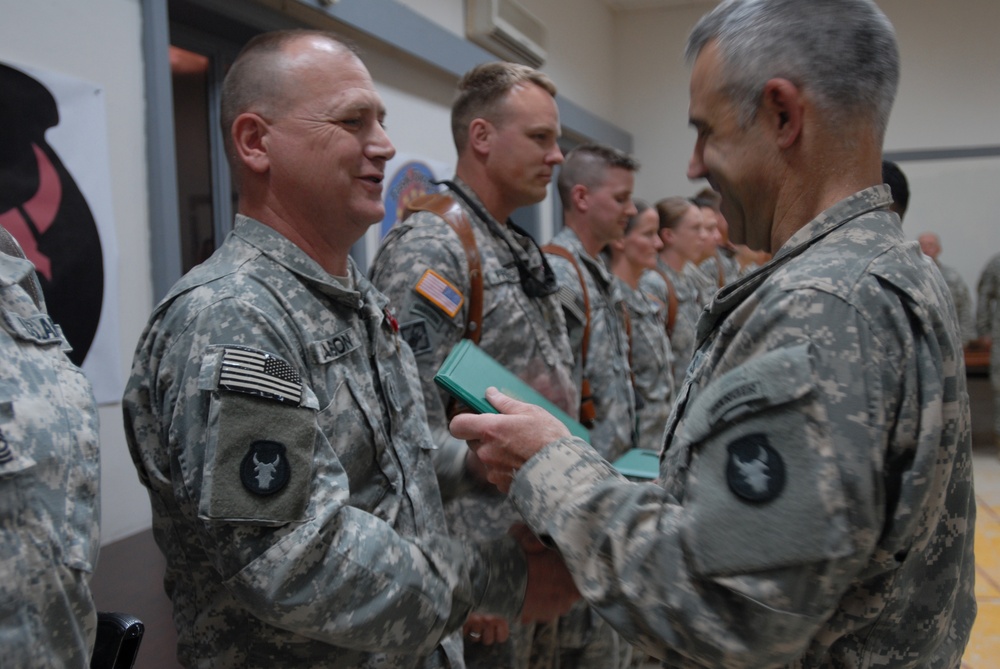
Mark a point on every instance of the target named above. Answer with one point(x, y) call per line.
point(816, 505)
point(275, 415)
point(930, 244)
point(595, 188)
point(651, 358)
point(683, 233)
point(988, 329)
point(49, 483)
point(522, 324)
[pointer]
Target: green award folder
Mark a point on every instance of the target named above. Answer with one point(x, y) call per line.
point(468, 371)
point(639, 464)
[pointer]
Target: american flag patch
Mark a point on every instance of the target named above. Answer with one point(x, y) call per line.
point(247, 370)
point(440, 292)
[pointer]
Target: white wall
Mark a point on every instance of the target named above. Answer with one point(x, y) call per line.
point(99, 41)
point(580, 44)
point(949, 98)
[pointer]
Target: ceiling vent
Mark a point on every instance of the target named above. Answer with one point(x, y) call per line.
point(506, 29)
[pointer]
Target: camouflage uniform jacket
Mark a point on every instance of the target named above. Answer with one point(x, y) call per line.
point(652, 362)
point(815, 507)
point(988, 325)
point(730, 267)
point(275, 417)
point(526, 335)
point(988, 302)
point(607, 367)
point(689, 307)
point(49, 487)
point(962, 298)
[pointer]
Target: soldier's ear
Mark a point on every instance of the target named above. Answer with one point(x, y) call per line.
point(481, 134)
point(578, 196)
point(782, 108)
point(250, 141)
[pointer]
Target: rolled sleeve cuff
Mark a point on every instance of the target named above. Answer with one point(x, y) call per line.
point(555, 479)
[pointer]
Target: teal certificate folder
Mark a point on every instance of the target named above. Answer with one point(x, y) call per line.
point(468, 371)
point(639, 463)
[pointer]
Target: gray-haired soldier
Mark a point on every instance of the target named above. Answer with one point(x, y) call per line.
point(49, 484)
point(815, 506)
point(275, 413)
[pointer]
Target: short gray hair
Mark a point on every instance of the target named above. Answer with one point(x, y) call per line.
point(844, 52)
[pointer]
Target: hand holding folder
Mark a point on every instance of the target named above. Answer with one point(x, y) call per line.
point(468, 371)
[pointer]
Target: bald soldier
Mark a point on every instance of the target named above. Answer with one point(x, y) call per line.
point(275, 414)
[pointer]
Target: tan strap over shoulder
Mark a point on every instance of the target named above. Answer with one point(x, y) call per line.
point(588, 412)
point(672, 301)
point(445, 206)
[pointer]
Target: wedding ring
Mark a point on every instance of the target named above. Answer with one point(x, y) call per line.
point(475, 635)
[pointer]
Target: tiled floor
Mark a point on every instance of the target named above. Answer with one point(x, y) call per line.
point(983, 651)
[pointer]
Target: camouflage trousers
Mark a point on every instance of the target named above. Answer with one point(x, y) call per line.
point(587, 641)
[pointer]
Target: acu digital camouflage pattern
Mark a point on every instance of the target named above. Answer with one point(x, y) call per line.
point(730, 267)
point(346, 565)
point(962, 298)
point(839, 364)
point(607, 368)
point(988, 325)
point(526, 335)
point(49, 488)
point(585, 640)
point(652, 365)
point(690, 301)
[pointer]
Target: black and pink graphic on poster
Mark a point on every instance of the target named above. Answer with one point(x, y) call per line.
point(41, 205)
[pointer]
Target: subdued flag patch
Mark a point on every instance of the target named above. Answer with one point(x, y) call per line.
point(440, 292)
point(247, 370)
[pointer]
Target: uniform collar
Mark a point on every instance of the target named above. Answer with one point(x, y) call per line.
point(848, 209)
point(567, 237)
point(286, 253)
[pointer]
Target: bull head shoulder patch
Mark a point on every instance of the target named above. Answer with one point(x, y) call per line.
point(265, 469)
point(755, 471)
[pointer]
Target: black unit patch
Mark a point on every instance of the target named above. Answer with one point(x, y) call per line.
point(265, 469)
point(415, 335)
point(5, 453)
point(754, 470)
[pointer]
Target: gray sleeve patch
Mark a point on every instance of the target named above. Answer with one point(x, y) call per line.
point(764, 489)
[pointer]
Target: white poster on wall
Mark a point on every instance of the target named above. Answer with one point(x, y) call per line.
point(55, 198)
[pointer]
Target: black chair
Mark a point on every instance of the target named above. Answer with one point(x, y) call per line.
point(118, 639)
